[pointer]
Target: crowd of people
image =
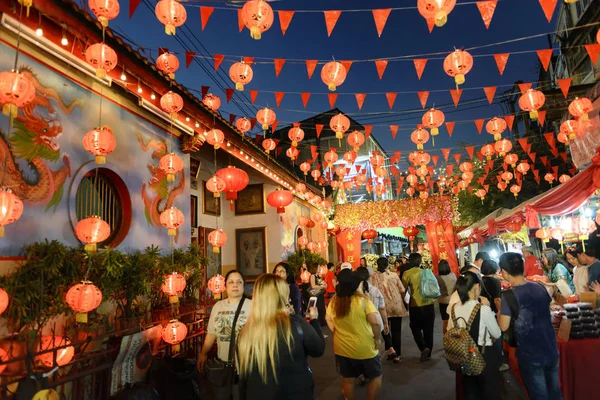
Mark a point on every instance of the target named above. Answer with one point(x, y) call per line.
point(268, 339)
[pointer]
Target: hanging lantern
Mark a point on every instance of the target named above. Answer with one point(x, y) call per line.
point(370, 235)
point(488, 151)
point(215, 185)
point(423, 195)
point(304, 167)
point(523, 167)
point(333, 75)
point(585, 227)
point(350, 156)
point(318, 217)
point(507, 176)
point(466, 167)
point(305, 276)
point(257, 16)
point(212, 101)
point(419, 137)
point(564, 178)
point(215, 138)
point(339, 124)
point(303, 221)
point(171, 103)
point(302, 242)
point(457, 64)
point(310, 224)
point(436, 10)
point(502, 186)
point(168, 63)
point(217, 239)
point(433, 119)
point(515, 189)
point(269, 145)
point(557, 234)
point(316, 174)
point(296, 134)
point(324, 224)
point(241, 74)
point(91, 231)
point(356, 139)
point(532, 101)
point(292, 153)
point(16, 91)
point(377, 159)
point(549, 178)
point(104, 10)
point(496, 126)
point(3, 302)
point(514, 226)
point(301, 187)
point(171, 219)
point(83, 298)
point(330, 158)
point(422, 159)
point(11, 208)
point(171, 14)
point(100, 142)
point(467, 176)
point(411, 233)
point(265, 117)
point(173, 333)
point(173, 285)
point(216, 285)
point(543, 234)
point(502, 147)
point(243, 125)
point(569, 128)
point(580, 107)
point(280, 199)
point(235, 179)
point(171, 164)
point(63, 356)
point(102, 57)
point(511, 159)
point(455, 190)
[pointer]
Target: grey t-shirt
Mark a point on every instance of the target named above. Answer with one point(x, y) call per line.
point(221, 319)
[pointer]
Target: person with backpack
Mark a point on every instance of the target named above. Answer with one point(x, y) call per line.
point(525, 316)
point(473, 326)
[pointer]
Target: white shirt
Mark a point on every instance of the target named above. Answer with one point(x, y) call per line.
point(487, 321)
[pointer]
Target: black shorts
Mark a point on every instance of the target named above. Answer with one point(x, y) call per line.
point(444, 312)
point(351, 368)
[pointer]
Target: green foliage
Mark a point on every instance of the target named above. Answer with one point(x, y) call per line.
point(295, 260)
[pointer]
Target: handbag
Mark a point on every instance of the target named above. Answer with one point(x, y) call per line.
point(222, 373)
point(429, 284)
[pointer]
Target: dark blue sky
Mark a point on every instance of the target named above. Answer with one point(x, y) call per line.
point(355, 37)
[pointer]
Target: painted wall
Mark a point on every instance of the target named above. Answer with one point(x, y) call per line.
point(46, 160)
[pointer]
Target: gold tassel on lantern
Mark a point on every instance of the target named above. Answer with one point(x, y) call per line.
point(170, 29)
point(239, 86)
point(81, 318)
point(91, 247)
point(255, 33)
point(100, 160)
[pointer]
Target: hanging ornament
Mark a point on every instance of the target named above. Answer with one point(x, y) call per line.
point(564, 178)
point(436, 10)
point(488, 151)
point(171, 219)
point(63, 356)
point(419, 137)
point(376, 159)
point(171, 14)
point(280, 199)
point(580, 107)
point(215, 185)
point(266, 117)
point(269, 145)
point(296, 134)
point(100, 142)
point(91, 231)
point(304, 167)
point(217, 238)
point(212, 101)
point(511, 159)
point(173, 286)
point(457, 64)
point(507, 176)
point(330, 158)
point(216, 285)
point(350, 156)
point(258, 17)
point(301, 187)
point(333, 75)
point(241, 74)
point(83, 298)
point(171, 103)
point(496, 126)
point(102, 57)
point(167, 63)
point(215, 138)
point(502, 186)
point(433, 119)
point(502, 147)
point(532, 101)
point(515, 189)
point(356, 139)
point(104, 10)
point(235, 179)
point(481, 194)
point(549, 178)
point(523, 167)
point(16, 91)
point(171, 164)
point(569, 128)
point(11, 208)
point(292, 153)
point(369, 235)
point(339, 124)
point(316, 174)
point(173, 333)
point(243, 125)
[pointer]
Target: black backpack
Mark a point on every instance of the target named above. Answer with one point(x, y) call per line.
point(509, 335)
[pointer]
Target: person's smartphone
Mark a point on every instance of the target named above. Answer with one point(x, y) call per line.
point(312, 302)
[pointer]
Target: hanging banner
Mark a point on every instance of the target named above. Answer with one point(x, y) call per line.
point(348, 242)
point(440, 238)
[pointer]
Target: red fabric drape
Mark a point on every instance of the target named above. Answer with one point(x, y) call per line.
point(492, 227)
point(440, 238)
point(348, 242)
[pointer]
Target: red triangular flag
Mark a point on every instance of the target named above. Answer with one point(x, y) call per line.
point(456, 158)
point(544, 160)
point(524, 145)
point(229, 93)
point(593, 51)
point(368, 129)
point(394, 129)
point(313, 152)
point(541, 117)
point(563, 155)
point(331, 18)
point(285, 17)
point(479, 124)
point(253, 123)
point(241, 23)
point(501, 60)
point(360, 99)
point(381, 17)
point(218, 60)
point(479, 155)
point(310, 67)
point(450, 128)
point(455, 93)
point(278, 98)
point(470, 150)
point(509, 121)
point(535, 171)
point(486, 9)
point(357, 167)
point(548, 7)
point(554, 152)
point(205, 13)
point(305, 96)
point(204, 90)
point(537, 179)
point(564, 85)
point(253, 94)
point(545, 56)
point(380, 65)
point(550, 139)
point(423, 96)
point(232, 118)
point(278, 65)
point(420, 64)
point(430, 24)
point(249, 60)
point(319, 129)
point(332, 99)
point(532, 156)
point(490, 92)
point(391, 98)
point(133, 5)
point(523, 87)
point(274, 127)
point(347, 64)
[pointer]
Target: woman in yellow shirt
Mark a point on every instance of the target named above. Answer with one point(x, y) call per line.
point(352, 318)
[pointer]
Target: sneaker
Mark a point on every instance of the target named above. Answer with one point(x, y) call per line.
point(504, 367)
point(425, 354)
point(325, 336)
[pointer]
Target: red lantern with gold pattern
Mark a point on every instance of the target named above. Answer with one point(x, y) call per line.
point(280, 199)
point(339, 124)
point(580, 107)
point(419, 137)
point(302, 242)
point(523, 167)
point(330, 158)
point(549, 177)
point(370, 235)
point(532, 100)
point(173, 286)
point(316, 174)
point(266, 117)
point(292, 153)
point(168, 63)
point(502, 186)
point(215, 185)
point(515, 189)
point(217, 238)
point(16, 91)
point(356, 139)
point(241, 74)
point(433, 119)
point(457, 64)
point(171, 103)
point(100, 142)
point(511, 159)
point(172, 218)
point(171, 14)
point(333, 75)
point(11, 208)
point(257, 16)
point(215, 137)
point(83, 298)
point(502, 147)
point(173, 333)
point(243, 124)
point(296, 134)
point(171, 164)
point(514, 226)
point(564, 178)
point(466, 166)
point(301, 187)
point(269, 145)
point(91, 231)
point(350, 156)
point(102, 57)
point(569, 128)
point(507, 176)
point(305, 167)
point(496, 126)
point(235, 179)
point(63, 355)
point(216, 285)
point(212, 101)
point(104, 10)
point(488, 151)
point(436, 10)
point(411, 232)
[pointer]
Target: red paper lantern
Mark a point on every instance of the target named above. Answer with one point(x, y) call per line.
point(315, 173)
point(488, 151)
point(171, 164)
point(423, 195)
point(3, 301)
point(532, 101)
point(216, 285)
point(83, 298)
point(241, 74)
point(318, 217)
point(377, 160)
point(243, 124)
point(515, 189)
point(303, 221)
point(102, 57)
point(502, 147)
point(269, 145)
point(16, 91)
point(305, 276)
point(217, 238)
point(100, 142)
point(350, 156)
point(564, 178)
point(549, 177)
point(324, 224)
point(104, 10)
point(507, 176)
point(91, 231)
point(171, 14)
point(258, 17)
point(543, 234)
point(168, 63)
point(333, 75)
point(580, 107)
point(330, 158)
point(171, 219)
point(356, 139)
point(496, 126)
point(369, 234)
point(296, 134)
point(310, 224)
point(523, 167)
point(302, 241)
point(173, 333)
point(305, 167)
point(455, 190)
point(339, 124)
point(457, 64)
point(301, 187)
point(419, 137)
point(235, 179)
point(466, 167)
point(411, 232)
point(514, 227)
point(436, 10)
point(265, 117)
point(467, 176)
point(292, 153)
point(11, 208)
point(569, 128)
point(311, 246)
point(511, 159)
point(422, 159)
point(63, 356)
point(215, 185)
point(280, 199)
point(433, 119)
point(502, 186)
point(212, 101)
point(173, 285)
point(171, 103)
point(215, 137)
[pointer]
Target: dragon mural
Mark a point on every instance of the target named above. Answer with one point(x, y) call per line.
point(156, 194)
point(29, 148)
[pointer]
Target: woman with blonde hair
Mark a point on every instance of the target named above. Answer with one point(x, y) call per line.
point(274, 346)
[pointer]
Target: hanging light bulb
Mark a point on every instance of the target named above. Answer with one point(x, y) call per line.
point(39, 32)
point(139, 89)
point(123, 76)
point(153, 96)
point(64, 41)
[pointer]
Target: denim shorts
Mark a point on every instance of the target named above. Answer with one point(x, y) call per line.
point(351, 368)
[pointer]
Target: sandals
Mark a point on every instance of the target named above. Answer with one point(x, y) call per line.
point(397, 359)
